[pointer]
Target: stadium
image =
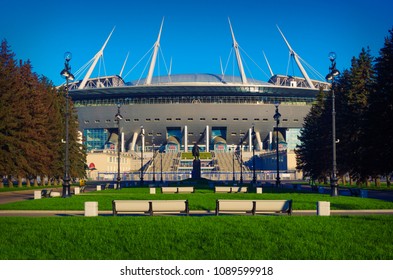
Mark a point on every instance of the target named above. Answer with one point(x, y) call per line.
point(162, 117)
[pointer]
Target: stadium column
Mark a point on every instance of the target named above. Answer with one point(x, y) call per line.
point(207, 138)
point(185, 139)
point(134, 138)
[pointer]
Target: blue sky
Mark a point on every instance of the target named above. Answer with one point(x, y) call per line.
point(195, 34)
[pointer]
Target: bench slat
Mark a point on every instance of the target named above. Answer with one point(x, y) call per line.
point(254, 206)
point(150, 206)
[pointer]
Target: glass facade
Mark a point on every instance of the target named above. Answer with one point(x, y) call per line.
point(95, 138)
point(292, 138)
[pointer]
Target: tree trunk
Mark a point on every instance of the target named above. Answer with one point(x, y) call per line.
point(20, 182)
point(28, 182)
point(35, 182)
point(377, 181)
point(10, 184)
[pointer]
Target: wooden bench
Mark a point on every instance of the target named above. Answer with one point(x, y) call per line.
point(177, 189)
point(150, 206)
point(253, 206)
point(230, 189)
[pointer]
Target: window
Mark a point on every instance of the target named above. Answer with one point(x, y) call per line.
point(202, 119)
point(136, 120)
point(168, 119)
point(190, 119)
point(235, 119)
point(97, 121)
point(214, 119)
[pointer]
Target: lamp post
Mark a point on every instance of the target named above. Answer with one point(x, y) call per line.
point(254, 177)
point(330, 77)
point(277, 117)
point(66, 73)
point(142, 146)
point(118, 117)
point(241, 161)
point(154, 164)
point(161, 166)
point(233, 164)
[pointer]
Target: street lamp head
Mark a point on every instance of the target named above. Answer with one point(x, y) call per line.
point(67, 56)
point(335, 72)
point(332, 56)
point(118, 117)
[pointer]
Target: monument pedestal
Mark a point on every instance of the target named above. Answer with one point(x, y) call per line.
point(196, 169)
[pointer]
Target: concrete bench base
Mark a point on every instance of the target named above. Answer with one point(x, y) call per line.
point(323, 208)
point(91, 208)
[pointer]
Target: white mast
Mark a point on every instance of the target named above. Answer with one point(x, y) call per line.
point(268, 64)
point(296, 57)
point(93, 65)
point(154, 58)
point(124, 64)
point(238, 57)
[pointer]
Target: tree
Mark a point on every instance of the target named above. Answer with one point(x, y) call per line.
point(312, 154)
point(32, 125)
point(354, 88)
point(379, 117)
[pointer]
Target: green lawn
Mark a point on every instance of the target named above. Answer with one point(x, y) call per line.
point(189, 238)
point(202, 199)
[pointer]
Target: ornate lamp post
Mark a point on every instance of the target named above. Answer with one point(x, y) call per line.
point(66, 73)
point(277, 117)
point(118, 117)
point(254, 177)
point(154, 164)
point(241, 161)
point(161, 166)
point(233, 164)
point(330, 77)
point(142, 146)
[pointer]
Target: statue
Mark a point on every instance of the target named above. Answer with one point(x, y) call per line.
point(196, 164)
point(195, 152)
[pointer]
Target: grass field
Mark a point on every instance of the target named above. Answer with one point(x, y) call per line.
point(202, 199)
point(197, 237)
point(193, 238)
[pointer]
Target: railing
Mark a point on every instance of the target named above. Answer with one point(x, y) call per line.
point(210, 175)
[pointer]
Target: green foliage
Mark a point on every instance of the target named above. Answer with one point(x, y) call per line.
point(364, 110)
point(202, 155)
point(197, 238)
point(31, 124)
